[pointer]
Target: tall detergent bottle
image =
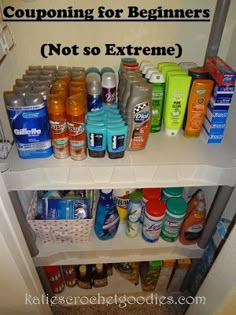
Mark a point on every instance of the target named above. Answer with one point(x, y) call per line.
point(158, 93)
point(139, 115)
point(107, 218)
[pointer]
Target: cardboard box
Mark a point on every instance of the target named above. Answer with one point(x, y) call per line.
point(207, 138)
point(216, 116)
point(221, 72)
point(214, 129)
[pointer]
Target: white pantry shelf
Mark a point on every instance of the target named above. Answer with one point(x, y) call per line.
point(119, 249)
point(166, 161)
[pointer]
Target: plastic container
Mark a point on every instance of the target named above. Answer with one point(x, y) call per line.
point(175, 212)
point(171, 192)
point(150, 272)
point(139, 116)
point(121, 198)
point(55, 278)
point(85, 277)
point(75, 112)
point(153, 217)
point(94, 95)
point(198, 196)
point(134, 213)
point(193, 225)
point(158, 93)
point(149, 194)
point(109, 88)
point(107, 218)
point(100, 276)
point(28, 119)
point(70, 277)
point(58, 125)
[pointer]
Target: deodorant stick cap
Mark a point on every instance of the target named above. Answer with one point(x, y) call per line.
point(147, 67)
point(150, 72)
point(144, 63)
point(108, 80)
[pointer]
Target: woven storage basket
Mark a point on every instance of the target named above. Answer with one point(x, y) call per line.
point(63, 231)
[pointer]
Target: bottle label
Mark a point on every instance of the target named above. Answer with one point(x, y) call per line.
point(31, 131)
point(171, 228)
point(94, 102)
point(133, 221)
point(77, 137)
point(109, 95)
point(193, 232)
point(96, 141)
point(141, 126)
point(111, 222)
point(157, 107)
point(60, 140)
point(84, 284)
point(98, 283)
point(151, 229)
point(118, 143)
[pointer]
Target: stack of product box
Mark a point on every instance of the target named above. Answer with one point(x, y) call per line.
point(220, 101)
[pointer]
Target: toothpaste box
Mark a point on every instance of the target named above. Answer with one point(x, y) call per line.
point(207, 138)
point(217, 105)
point(215, 116)
point(221, 72)
point(222, 89)
point(214, 129)
point(222, 98)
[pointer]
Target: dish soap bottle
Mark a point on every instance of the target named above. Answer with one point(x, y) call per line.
point(193, 225)
point(107, 218)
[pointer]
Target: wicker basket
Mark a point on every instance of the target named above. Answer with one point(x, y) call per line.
point(63, 231)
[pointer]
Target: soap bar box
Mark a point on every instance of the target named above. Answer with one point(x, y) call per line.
point(221, 72)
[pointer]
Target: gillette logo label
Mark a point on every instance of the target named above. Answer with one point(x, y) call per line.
point(29, 132)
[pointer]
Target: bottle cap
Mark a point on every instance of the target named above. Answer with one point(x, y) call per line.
point(157, 77)
point(99, 267)
point(144, 63)
point(156, 208)
point(93, 76)
point(82, 269)
point(200, 206)
point(176, 205)
point(52, 269)
point(136, 195)
point(152, 193)
point(109, 80)
point(94, 87)
point(171, 132)
point(199, 73)
point(168, 263)
point(106, 191)
point(147, 67)
point(155, 263)
point(173, 191)
point(150, 72)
